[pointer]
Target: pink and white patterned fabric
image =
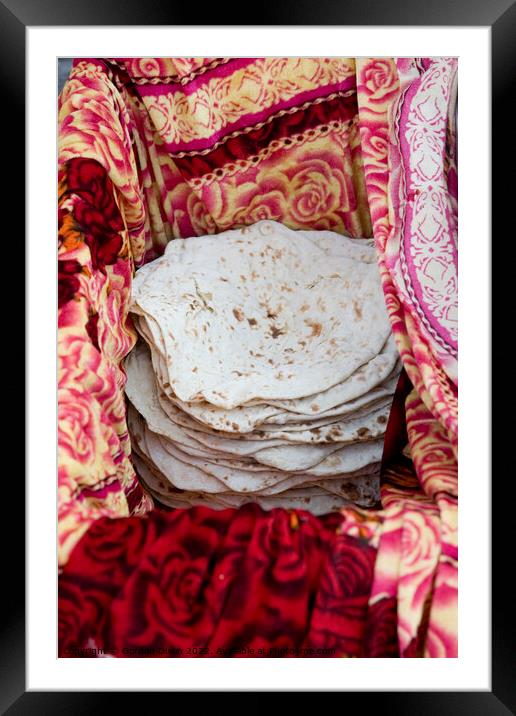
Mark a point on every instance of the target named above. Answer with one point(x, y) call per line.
point(410, 167)
point(421, 249)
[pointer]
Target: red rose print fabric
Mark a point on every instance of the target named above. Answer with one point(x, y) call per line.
point(158, 149)
point(205, 583)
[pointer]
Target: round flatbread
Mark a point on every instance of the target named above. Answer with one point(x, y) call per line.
point(314, 499)
point(268, 314)
point(282, 455)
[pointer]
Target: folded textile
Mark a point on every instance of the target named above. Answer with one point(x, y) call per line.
point(200, 583)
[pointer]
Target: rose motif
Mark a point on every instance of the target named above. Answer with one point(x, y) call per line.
point(76, 354)
point(183, 586)
point(78, 430)
point(113, 548)
point(374, 145)
point(201, 220)
point(268, 206)
point(170, 584)
point(146, 67)
point(306, 186)
point(421, 535)
point(316, 191)
point(380, 80)
point(349, 572)
point(188, 215)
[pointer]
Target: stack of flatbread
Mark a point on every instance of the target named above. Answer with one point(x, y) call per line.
point(265, 372)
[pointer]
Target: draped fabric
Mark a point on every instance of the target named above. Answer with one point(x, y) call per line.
point(410, 165)
point(153, 150)
point(205, 583)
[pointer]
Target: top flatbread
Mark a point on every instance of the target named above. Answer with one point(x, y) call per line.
point(265, 313)
point(374, 381)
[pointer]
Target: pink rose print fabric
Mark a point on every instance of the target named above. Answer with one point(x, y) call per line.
point(158, 149)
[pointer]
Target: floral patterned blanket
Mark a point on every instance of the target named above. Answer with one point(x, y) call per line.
point(153, 150)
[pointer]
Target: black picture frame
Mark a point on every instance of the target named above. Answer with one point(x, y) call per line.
point(15, 16)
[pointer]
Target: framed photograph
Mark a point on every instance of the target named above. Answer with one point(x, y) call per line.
point(243, 354)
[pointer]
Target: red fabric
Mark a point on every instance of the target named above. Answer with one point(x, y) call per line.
point(244, 583)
